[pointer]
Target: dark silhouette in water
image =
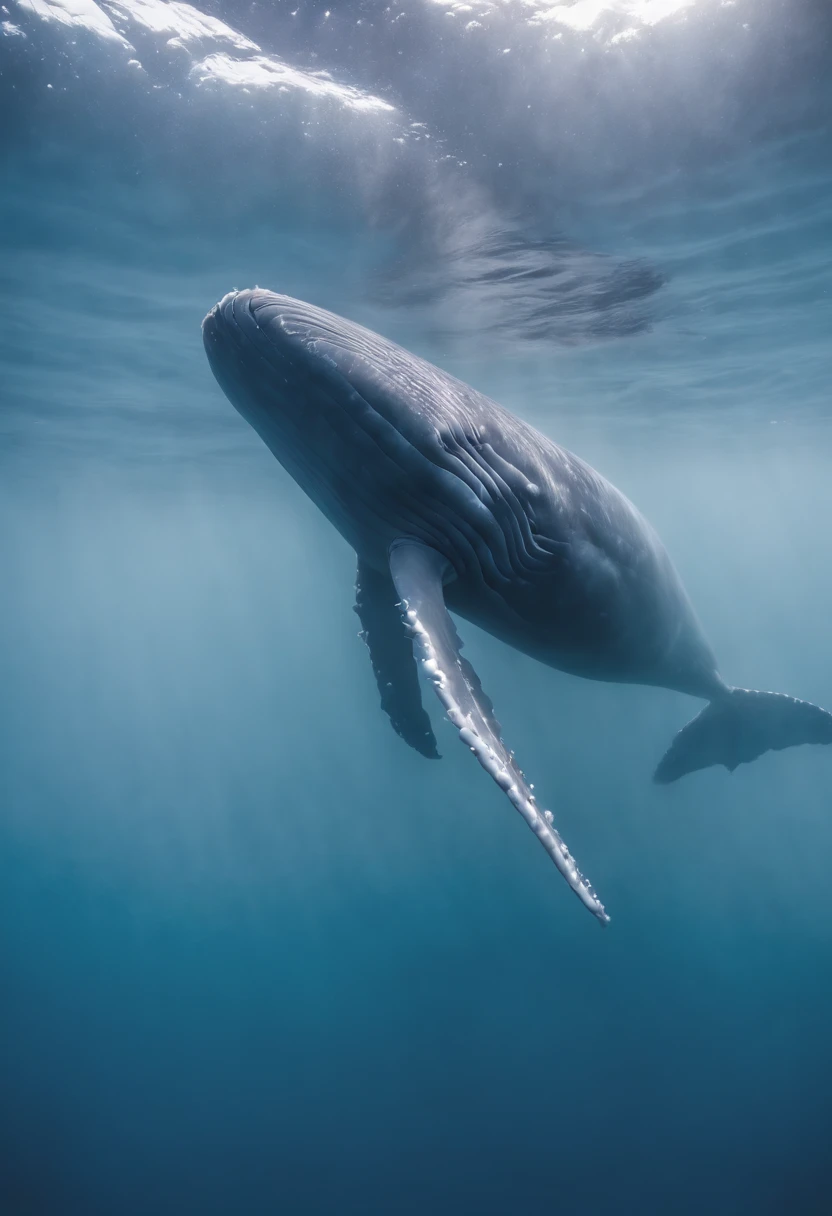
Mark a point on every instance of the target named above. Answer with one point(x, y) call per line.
point(450, 500)
point(494, 274)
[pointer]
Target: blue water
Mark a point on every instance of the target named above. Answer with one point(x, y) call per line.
point(256, 955)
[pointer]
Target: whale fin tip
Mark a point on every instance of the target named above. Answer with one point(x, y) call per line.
point(418, 573)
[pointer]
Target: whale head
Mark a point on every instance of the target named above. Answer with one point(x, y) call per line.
point(360, 423)
point(287, 365)
point(385, 443)
point(262, 350)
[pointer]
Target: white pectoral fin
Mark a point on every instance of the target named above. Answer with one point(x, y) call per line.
point(418, 574)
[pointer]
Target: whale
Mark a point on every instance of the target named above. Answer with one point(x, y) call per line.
point(453, 505)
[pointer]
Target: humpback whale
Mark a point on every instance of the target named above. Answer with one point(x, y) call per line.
point(452, 503)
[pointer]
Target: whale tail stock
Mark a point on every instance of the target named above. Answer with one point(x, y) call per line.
point(738, 727)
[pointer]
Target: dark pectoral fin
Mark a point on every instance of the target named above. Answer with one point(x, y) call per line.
point(391, 653)
point(418, 573)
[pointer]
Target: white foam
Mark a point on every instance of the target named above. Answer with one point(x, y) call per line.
point(264, 72)
point(78, 14)
point(216, 50)
point(581, 16)
point(180, 21)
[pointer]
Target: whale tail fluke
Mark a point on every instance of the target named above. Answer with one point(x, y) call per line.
point(739, 727)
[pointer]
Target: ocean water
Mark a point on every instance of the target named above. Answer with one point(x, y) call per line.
point(257, 956)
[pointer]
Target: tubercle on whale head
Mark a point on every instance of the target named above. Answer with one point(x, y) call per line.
point(213, 314)
point(228, 298)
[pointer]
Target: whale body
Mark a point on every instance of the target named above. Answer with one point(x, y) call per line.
point(453, 503)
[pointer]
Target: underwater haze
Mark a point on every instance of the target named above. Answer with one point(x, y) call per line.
point(257, 956)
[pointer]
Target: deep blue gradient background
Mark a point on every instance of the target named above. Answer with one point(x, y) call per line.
point(257, 956)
